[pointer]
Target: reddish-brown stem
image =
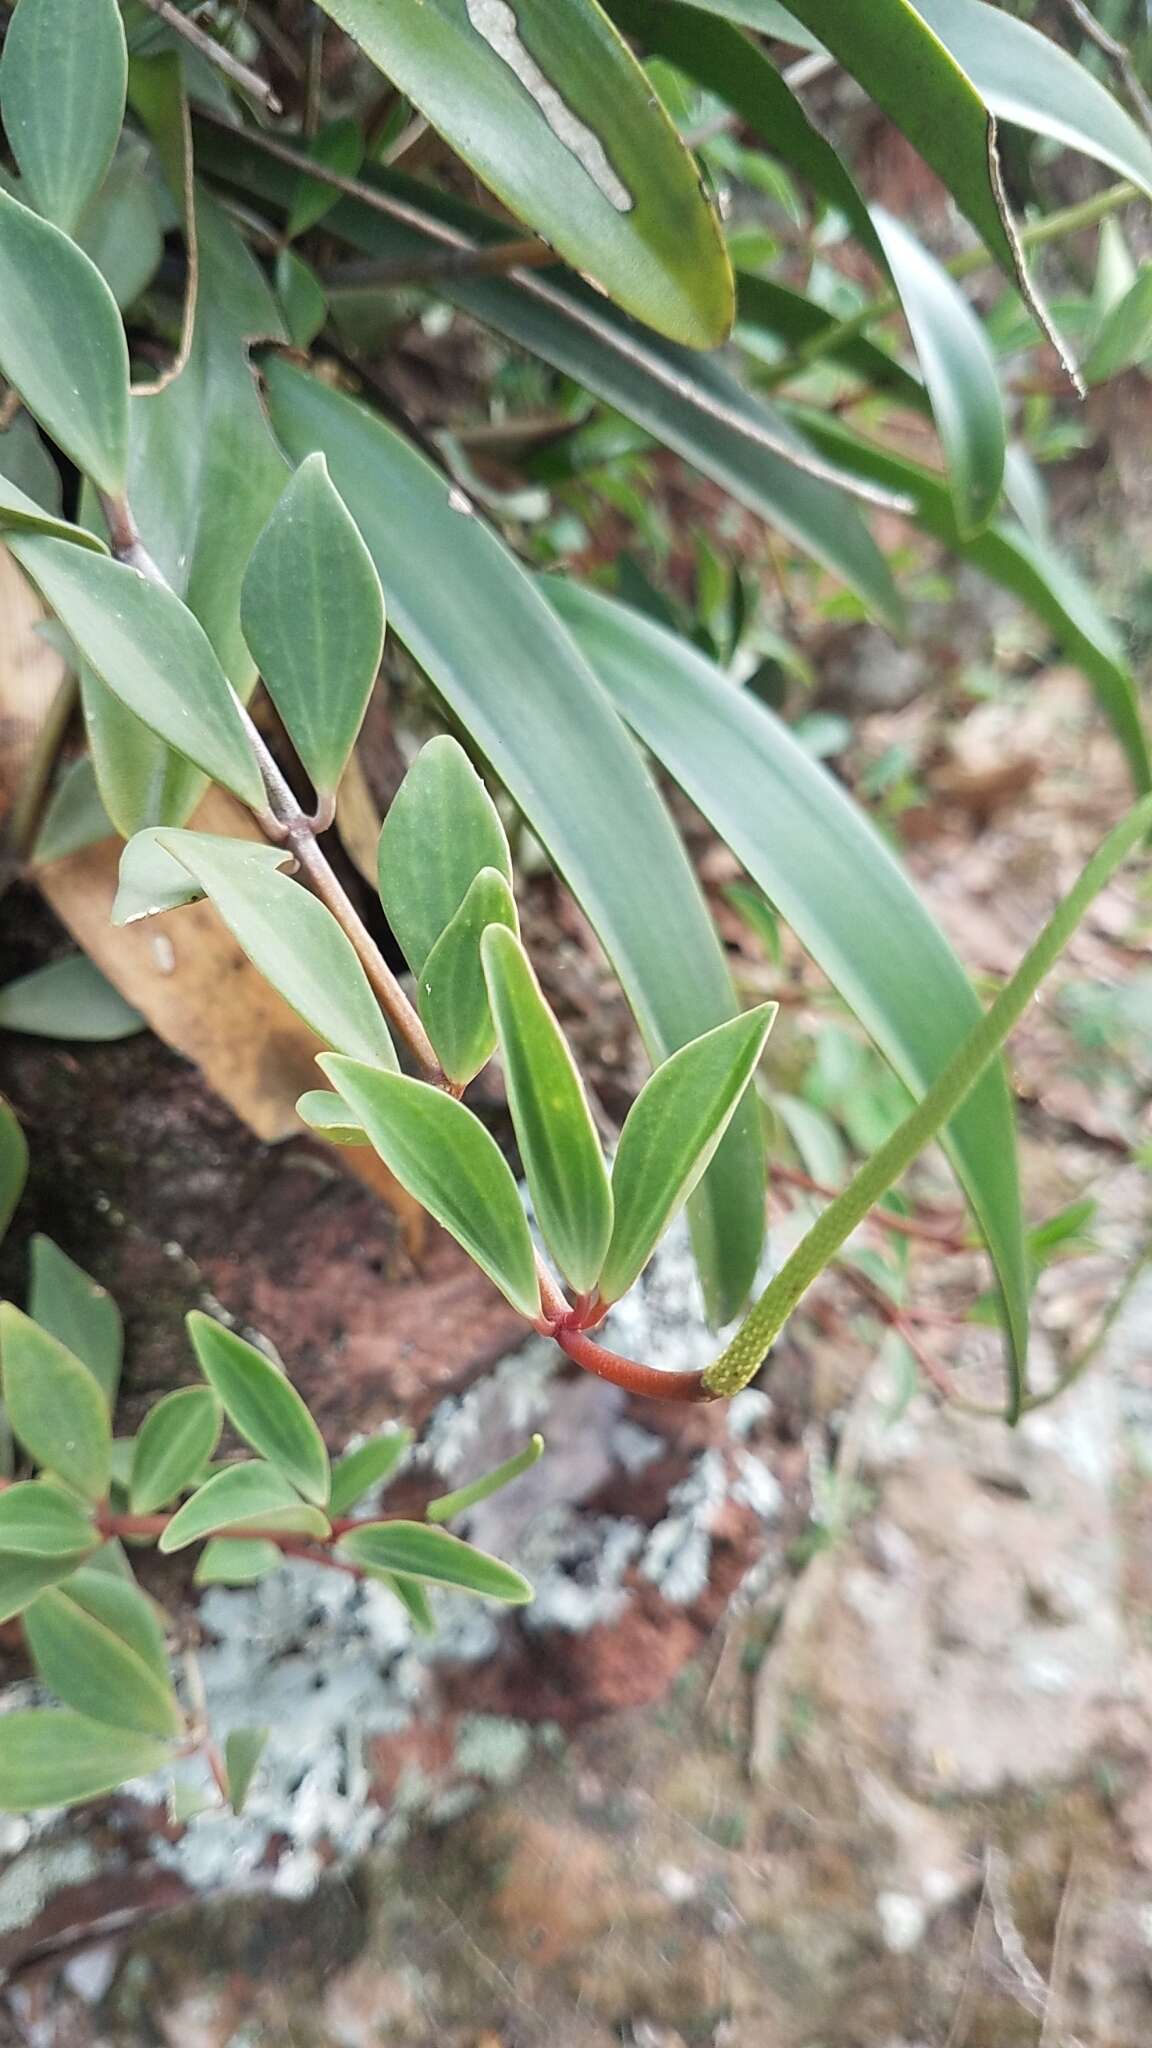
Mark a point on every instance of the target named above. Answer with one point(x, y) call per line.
point(946, 1238)
point(646, 1380)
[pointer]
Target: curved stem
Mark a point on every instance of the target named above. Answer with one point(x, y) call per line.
point(646, 1380)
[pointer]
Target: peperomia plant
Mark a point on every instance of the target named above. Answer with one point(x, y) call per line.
point(204, 482)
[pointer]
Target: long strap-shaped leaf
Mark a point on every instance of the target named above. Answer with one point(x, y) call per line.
point(743, 1357)
point(817, 857)
point(500, 658)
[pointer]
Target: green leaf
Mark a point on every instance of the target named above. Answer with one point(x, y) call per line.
point(53, 294)
point(448, 1505)
point(37, 1520)
point(55, 1407)
point(93, 1669)
point(669, 1135)
point(339, 147)
point(70, 1305)
point(243, 1748)
point(313, 616)
point(959, 370)
point(236, 1561)
point(368, 1466)
point(411, 1595)
point(153, 880)
point(174, 1444)
point(831, 878)
point(74, 818)
point(555, 115)
point(1125, 335)
point(444, 1157)
point(68, 999)
point(58, 1759)
point(432, 1554)
point(291, 937)
point(249, 1496)
point(330, 1118)
point(561, 1153)
point(62, 88)
point(147, 648)
point(514, 678)
point(115, 1599)
point(21, 514)
point(452, 991)
point(123, 229)
point(13, 1163)
point(441, 829)
point(24, 1578)
point(302, 297)
point(25, 462)
point(262, 1405)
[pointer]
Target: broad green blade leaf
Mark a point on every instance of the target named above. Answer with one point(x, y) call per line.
point(23, 1578)
point(494, 651)
point(432, 1554)
point(1125, 336)
point(444, 1157)
point(147, 648)
point(563, 1163)
point(13, 1163)
point(412, 1596)
point(70, 1305)
point(243, 1749)
point(669, 1135)
point(292, 938)
point(62, 86)
point(21, 514)
point(442, 828)
point(68, 999)
point(174, 1444)
point(37, 1520)
point(689, 401)
point(55, 1407)
point(313, 616)
point(832, 879)
point(262, 1405)
point(555, 115)
point(1031, 568)
point(122, 1606)
point(452, 991)
point(236, 1561)
point(53, 293)
point(450, 1504)
point(58, 1759)
point(368, 1466)
point(744, 1355)
point(153, 880)
point(93, 1670)
point(75, 817)
point(959, 370)
point(330, 1118)
point(339, 147)
point(251, 1496)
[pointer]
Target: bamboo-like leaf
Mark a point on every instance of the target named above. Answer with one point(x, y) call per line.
point(70, 1305)
point(174, 1444)
point(368, 1466)
point(249, 1496)
point(62, 87)
point(55, 1407)
point(554, 113)
point(93, 1670)
point(448, 1505)
point(313, 617)
point(147, 648)
point(68, 999)
point(444, 1157)
point(236, 1561)
point(453, 994)
point(420, 1552)
point(13, 1163)
point(669, 1135)
point(441, 830)
point(59, 1759)
point(37, 1520)
point(262, 1405)
point(563, 1163)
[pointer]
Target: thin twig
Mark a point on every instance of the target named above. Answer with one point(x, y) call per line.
point(198, 39)
point(187, 198)
point(945, 1237)
point(1120, 55)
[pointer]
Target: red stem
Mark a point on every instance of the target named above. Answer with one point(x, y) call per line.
point(646, 1380)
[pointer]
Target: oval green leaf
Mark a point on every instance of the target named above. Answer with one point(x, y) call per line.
point(1125, 335)
point(669, 1135)
point(112, 1597)
point(236, 1561)
point(252, 1495)
point(330, 1117)
point(62, 88)
point(37, 1520)
point(444, 1157)
point(13, 1163)
point(368, 1466)
point(313, 615)
point(58, 1759)
point(262, 1405)
point(55, 1407)
point(65, 1301)
point(68, 999)
point(175, 1442)
point(420, 1552)
point(550, 108)
point(563, 1163)
point(453, 994)
point(24, 1578)
point(441, 829)
point(52, 295)
point(93, 1670)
